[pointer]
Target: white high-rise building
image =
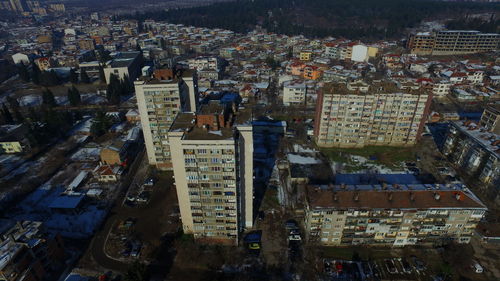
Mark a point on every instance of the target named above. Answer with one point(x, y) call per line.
point(159, 102)
point(212, 156)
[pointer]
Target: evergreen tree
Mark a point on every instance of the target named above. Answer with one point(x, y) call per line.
point(19, 116)
point(23, 72)
point(100, 124)
point(114, 89)
point(102, 77)
point(126, 86)
point(7, 117)
point(104, 56)
point(49, 78)
point(48, 98)
point(13, 103)
point(163, 43)
point(33, 115)
point(35, 73)
point(84, 77)
point(73, 76)
point(74, 96)
point(137, 272)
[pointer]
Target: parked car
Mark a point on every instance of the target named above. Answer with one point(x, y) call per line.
point(149, 182)
point(477, 267)
point(406, 265)
point(136, 249)
point(417, 263)
point(143, 197)
point(391, 268)
point(254, 246)
point(291, 224)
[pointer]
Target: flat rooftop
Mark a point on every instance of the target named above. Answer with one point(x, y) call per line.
point(488, 140)
point(412, 196)
point(375, 87)
point(186, 122)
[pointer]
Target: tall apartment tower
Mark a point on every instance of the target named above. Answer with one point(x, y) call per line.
point(18, 5)
point(381, 114)
point(212, 156)
point(159, 102)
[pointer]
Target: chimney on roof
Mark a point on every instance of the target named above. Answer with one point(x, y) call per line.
point(412, 196)
point(437, 196)
point(389, 197)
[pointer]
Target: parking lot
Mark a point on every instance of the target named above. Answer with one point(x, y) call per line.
point(403, 268)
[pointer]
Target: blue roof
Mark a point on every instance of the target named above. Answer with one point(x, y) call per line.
point(66, 202)
point(253, 237)
point(375, 179)
point(230, 97)
point(76, 277)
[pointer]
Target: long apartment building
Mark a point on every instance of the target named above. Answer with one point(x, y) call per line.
point(452, 42)
point(212, 155)
point(391, 215)
point(26, 253)
point(159, 101)
point(357, 114)
point(475, 151)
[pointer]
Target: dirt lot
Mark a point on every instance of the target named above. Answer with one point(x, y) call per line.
point(155, 221)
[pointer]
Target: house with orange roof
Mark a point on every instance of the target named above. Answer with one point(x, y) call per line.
point(312, 72)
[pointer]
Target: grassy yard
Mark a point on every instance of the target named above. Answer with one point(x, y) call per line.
point(385, 155)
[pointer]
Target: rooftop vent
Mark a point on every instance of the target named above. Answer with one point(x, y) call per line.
point(437, 196)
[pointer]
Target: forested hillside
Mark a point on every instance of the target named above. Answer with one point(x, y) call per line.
point(319, 18)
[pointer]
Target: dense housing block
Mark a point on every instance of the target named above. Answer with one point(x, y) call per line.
point(358, 115)
point(397, 215)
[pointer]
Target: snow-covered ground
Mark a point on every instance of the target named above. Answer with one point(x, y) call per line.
point(86, 154)
point(360, 165)
point(78, 224)
point(300, 149)
point(31, 100)
point(303, 160)
point(8, 162)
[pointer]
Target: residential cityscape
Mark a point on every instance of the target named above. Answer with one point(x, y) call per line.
point(166, 140)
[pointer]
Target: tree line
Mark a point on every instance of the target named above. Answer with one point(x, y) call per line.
point(355, 19)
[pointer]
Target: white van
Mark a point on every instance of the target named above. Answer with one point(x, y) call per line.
point(477, 267)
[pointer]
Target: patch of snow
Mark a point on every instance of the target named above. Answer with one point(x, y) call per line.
point(298, 159)
point(30, 100)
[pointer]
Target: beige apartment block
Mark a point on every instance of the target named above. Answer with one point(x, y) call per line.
point(391, 215)
point(159, 102)
point(382, 114)
point(490, 119)
point(212, 156)
point(452, 42)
